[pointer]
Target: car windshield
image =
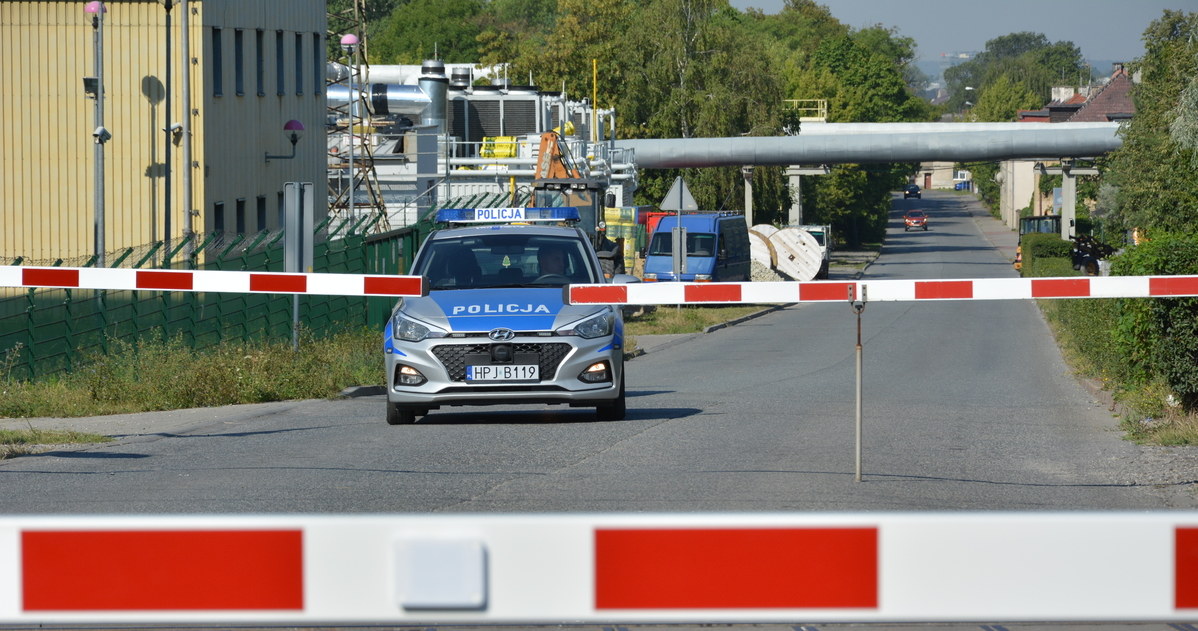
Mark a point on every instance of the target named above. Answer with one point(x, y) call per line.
point(915, 213)
point(504, 260)
point(697, 244)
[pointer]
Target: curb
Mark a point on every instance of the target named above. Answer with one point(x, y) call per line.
point(361, 391)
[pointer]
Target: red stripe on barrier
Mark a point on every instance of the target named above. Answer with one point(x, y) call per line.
point(947, 289)
point(147, 279)
point(1180, 286)
point(279, 283)
point(391, 286)
point(824, 291)
point(1061, 288)
point(720, 292)
point(736, 569)
point(598, 295)
point(1186, 568)
point(50, 277)
point(162, 570)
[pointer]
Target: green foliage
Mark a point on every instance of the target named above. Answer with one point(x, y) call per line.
point(1160, 336)
point(1002, 100)
point(429, 29)
point(1154, 167)
point(1027, 58)
point(1045, 255)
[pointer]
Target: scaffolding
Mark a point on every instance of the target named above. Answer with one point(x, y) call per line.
point(353, 183)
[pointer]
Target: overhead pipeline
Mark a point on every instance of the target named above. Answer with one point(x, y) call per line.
point(831, 143)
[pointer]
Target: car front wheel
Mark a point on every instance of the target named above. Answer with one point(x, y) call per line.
point(614, 411)
point(400, 416)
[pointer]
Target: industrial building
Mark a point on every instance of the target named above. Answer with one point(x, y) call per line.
point(170, 134)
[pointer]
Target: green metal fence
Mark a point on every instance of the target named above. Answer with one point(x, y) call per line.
point(49, 331)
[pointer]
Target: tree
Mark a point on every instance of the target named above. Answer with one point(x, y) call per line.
point(693, 71)
point(1154, 167)
point(1002, 101)
point(1025, 57)
point(429, 29)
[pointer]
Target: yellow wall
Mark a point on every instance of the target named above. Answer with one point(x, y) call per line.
point(47, 165)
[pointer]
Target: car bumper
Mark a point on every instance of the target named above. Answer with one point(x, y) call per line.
point(561, 361)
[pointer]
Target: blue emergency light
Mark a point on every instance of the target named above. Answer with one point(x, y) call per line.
point(507, 215)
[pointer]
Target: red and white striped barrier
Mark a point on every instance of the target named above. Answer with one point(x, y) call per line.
point(213, 281)
point(634, 294)
point(885, 290)
point(693, 568)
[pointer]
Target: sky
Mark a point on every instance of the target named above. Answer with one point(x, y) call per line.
point(1108, 30)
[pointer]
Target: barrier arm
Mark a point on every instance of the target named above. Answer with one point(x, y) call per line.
point(788, 292)
point(212, 281)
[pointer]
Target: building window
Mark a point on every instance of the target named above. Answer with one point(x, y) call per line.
point(279, 76)
point(317, 64)
point(299, 64)
point(260, 62)
point(217, 62)
point(240, 216)
point(261, 212)
point(239, 62)
point(218, 217)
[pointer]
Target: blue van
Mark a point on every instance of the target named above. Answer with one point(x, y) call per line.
point(717, 248)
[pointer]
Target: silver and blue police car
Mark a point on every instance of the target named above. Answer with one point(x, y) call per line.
point(494, 328)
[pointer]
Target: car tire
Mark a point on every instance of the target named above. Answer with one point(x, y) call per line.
point(400, 416)
point(925, 228)
point(614, 411)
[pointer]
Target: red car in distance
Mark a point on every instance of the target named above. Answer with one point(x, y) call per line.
point(914, 220)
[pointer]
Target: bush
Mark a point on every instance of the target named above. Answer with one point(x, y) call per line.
point(1160, 335)
point(1039, 249)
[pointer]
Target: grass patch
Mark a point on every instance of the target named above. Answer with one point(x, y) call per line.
point(669, 319)
point(157, 374)
point(20, 442)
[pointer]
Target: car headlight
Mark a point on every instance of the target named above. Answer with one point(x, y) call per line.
point(409, 330)
point(598, 325)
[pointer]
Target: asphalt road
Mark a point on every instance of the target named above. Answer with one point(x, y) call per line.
point(967, 406)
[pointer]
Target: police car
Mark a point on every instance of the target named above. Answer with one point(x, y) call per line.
point(494, 328)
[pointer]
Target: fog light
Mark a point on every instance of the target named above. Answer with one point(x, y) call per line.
point(598, 372)
point(408, 376)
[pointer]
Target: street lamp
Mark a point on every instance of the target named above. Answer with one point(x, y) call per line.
point(94, 87)
point(293, 130)
point(349, 43)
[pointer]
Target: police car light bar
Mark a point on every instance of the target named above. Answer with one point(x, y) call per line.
point(507, 215)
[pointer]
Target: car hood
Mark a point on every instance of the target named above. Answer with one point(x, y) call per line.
point(481, 310)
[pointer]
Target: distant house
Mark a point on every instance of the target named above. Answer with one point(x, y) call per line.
point(1109, 102)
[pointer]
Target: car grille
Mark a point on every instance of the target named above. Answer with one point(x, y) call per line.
point(455, 357)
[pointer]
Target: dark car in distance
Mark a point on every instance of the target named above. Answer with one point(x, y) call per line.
point(912, 191)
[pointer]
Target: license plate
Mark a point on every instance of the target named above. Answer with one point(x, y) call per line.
point(522, 372)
